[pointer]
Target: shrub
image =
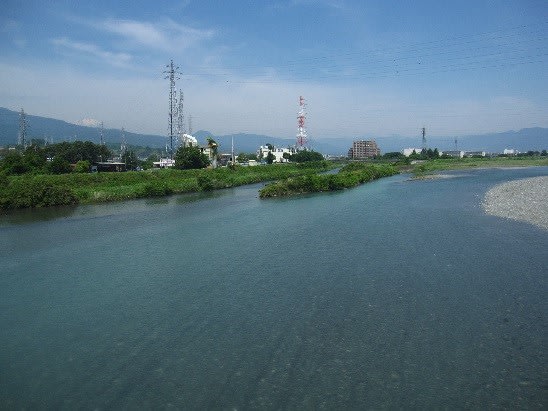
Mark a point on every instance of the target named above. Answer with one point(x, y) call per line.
point(30, 194)
point(205, 182)
point(152, 189)
point(59, 166)
point(82, 166)
point(349, 176)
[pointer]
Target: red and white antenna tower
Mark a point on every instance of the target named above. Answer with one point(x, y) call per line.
point(302, 138)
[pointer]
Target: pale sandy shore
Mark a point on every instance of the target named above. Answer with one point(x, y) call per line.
point(522, 200)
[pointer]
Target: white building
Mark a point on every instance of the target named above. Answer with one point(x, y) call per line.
point(454, 153)
point(163, 163)
point(189, 141)
point(475, 154)
point(408, 151)
point(510, 152)
point(278, 153)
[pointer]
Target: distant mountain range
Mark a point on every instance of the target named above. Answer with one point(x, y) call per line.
point(40, 127)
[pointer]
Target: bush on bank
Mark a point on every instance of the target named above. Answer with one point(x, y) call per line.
point(43, 190)
point(349, 176)
point(34, 193)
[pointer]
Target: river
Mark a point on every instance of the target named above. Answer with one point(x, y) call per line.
point(395, 294)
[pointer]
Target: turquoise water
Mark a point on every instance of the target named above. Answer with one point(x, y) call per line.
point(396, 294)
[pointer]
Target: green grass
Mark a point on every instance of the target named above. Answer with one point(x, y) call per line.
point(26, 191)
point(485, 162)
point(349, 176)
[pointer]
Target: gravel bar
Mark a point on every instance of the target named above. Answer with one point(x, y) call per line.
point(522, 200)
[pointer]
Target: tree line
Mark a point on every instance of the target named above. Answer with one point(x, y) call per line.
point(54, 158)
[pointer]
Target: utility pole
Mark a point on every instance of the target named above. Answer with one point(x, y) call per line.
point(22, 137)
point(172, 74)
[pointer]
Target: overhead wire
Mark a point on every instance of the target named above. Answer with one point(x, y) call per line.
point(389, 63)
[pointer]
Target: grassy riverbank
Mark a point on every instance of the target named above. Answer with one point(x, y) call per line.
point(27, 191)
point(434, 165)
point(349, 176)
point(30, 190)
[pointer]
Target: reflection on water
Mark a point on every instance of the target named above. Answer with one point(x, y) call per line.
point(101, 210)
point(395, 294)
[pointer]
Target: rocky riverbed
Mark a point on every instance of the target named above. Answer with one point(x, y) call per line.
point(522, 200)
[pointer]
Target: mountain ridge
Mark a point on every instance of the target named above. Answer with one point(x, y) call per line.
point(532, 138)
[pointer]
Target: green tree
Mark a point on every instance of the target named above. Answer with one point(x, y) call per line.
point(270, 158)
point(242, 158)
point(130, 160)
point(35, 159)
point(13, 163)
point(149, 162)
point(78, 150)
point(190, 158)
point(82, 166)
point(393, 155)
point(306, 155)
point(59, 166)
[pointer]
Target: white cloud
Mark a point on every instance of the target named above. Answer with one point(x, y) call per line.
point(165, 35)
point(115, 59)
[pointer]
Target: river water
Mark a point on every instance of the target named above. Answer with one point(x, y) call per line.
point(395, 294)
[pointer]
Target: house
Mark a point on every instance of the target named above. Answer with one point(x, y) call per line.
point(112, 166)
point(278, 153)
point(454, 153)
point(164, 163)
point(475, 154)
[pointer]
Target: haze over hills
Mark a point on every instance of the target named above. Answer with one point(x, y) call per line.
point(40, 127)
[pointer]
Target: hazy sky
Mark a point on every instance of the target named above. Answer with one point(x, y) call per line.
point(365, 68)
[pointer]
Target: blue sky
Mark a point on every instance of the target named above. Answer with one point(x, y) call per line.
point(365, 68)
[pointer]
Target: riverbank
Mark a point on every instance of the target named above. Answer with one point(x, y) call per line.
point(349, 176)
point(522, 200)
point(36, 191)
point(46, 190)
point(423, 169)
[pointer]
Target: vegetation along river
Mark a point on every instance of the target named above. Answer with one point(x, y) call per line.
point(394, 294)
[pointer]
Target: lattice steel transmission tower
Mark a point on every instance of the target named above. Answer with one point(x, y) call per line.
point(424, 138)
point(22, 136)
point(172, 74)
point(302, 138)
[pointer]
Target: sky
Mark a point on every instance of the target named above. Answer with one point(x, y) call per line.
point(365, 68)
